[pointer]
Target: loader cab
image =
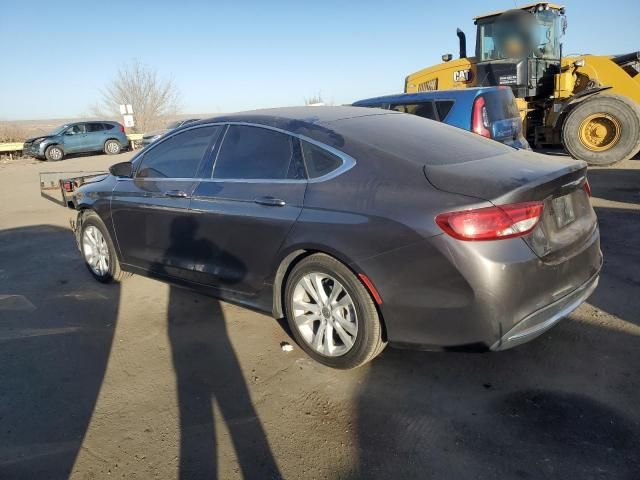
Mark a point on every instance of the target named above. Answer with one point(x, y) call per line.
point(520, 48)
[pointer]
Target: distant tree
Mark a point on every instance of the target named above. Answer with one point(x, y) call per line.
point(153, 99)
point(315, 100)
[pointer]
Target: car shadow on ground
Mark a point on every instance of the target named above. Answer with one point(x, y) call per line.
point(208, 373)
point(55, 339)
point(562, 406)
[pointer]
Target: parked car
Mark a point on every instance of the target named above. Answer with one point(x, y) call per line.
point(488, 111)
point(361, 227)
point(78, 137)
point(151, 137)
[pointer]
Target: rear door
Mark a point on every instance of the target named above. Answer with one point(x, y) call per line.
point(248, 206)
point(95, 135)
point(150, 212)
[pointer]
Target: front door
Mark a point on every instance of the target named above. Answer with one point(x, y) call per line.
point(154, 228)
point(248, 207)
point(75, 138)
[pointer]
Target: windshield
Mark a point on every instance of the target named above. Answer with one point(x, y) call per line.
point(59, 130)
point(519, 34)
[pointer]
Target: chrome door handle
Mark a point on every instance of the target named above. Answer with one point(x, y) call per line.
point(176, 194)
point(270, 201)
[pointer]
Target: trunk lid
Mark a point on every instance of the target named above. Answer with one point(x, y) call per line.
point(567, 221)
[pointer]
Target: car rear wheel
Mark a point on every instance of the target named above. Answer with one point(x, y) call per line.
point(331, 314)
point(53, 153)
point(112, 147)
point(98, 251)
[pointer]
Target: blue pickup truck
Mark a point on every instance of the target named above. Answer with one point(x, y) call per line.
point(488, 111)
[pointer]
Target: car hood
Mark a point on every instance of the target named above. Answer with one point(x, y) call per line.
point(155, 133)
point(29, 140)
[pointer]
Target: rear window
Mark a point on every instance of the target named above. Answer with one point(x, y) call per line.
point(501, 104)
point(415, 139)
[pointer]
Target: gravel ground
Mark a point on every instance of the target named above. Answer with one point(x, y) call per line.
point(145, 380)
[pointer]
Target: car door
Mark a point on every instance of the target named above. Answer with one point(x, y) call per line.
point(154, 229)
point(75, 138)
point(95, 136)
point(248, 206)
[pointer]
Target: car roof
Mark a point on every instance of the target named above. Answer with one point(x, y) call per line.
point(423, 96)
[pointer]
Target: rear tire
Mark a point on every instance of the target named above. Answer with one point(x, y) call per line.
point(112, 147)
point(54, 153)
point(603, 130)
point(98, 251)
point(350, 315)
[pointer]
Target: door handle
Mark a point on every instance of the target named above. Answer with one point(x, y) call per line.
point(176, 194)
point(270, 201)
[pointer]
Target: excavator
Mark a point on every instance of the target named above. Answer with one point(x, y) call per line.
point(589, 104)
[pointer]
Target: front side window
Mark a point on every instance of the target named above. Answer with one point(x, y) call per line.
point(249, 152)
point(76, 129)
point(178, 156)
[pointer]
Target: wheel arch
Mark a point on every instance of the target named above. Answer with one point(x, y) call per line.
point(296, 255)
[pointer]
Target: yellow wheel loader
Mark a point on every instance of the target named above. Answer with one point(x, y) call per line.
point(590, 104)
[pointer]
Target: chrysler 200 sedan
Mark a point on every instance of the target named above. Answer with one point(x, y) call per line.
point(361, 226)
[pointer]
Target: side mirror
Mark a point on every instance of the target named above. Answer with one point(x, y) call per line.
point(122, 169)
point(447, 57)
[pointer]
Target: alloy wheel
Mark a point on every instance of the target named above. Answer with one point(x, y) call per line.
point(96, 251)
point(324, 314)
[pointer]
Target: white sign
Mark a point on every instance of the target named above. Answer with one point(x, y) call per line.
point(128, 121)
point(129, 109)
point(123, 109)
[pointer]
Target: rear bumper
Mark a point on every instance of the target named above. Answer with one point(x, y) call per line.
point(542, 320)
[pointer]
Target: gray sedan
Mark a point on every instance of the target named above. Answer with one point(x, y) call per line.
point(361, 226)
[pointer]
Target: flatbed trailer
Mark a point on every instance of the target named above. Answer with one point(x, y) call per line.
point(59, 187)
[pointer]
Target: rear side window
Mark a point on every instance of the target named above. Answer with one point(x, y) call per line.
point(319, 162)
point(257, 153)
point(108, 126)
point(501, 104)
point(178, 156)
point(424, 110)
point(95, 127)
point(443, 107)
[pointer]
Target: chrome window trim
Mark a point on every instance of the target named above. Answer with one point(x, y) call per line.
point(348, 162)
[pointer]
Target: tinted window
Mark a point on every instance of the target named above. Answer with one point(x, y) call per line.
point(443, 107)
point(76, 129)
point(319, 161)
point(256, 153)
point(424, 110)
point(501, 104)
point(108, 126)
point(179, 155)
point(95, 127)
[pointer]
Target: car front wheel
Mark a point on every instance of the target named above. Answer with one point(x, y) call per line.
point(53, 153)
point(98, 251)
point(331, 314)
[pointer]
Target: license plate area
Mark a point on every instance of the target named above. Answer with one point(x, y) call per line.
point(563, 210)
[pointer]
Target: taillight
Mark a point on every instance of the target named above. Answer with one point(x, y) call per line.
point(586, 187)
point(122, 128)
point(480, 118)
point(492, 223)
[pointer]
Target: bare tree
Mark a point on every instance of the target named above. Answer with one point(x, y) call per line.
point(152, 98)
point(315, 100)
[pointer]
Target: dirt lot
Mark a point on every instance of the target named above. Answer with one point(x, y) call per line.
point(144, 380)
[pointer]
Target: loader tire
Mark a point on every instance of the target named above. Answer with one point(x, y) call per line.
point(603, 130)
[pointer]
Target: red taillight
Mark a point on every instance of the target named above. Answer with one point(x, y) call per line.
point(122, 128)
point(480, 118)
point(67, 186)
point(492, 223)
point(587, 187)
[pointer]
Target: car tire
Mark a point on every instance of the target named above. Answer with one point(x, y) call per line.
point(54, 153)
point(98, 251)
point(351, 318)
point(602, 130)
point(112, 147)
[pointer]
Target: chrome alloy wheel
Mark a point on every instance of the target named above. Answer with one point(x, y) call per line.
point(113, 147)
point(95, 250)
point(55, 153)
point(324, 314)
